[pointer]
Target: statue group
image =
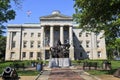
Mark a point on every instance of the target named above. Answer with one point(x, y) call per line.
point(60, 50)
point(59, 55)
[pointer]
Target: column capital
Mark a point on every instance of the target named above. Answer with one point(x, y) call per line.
point(70, 25)
point(51, 26)
point(42, 25)
point(61, 25)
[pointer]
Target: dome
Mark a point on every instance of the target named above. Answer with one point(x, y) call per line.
point(56, 12)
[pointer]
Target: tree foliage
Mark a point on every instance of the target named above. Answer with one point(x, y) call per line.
point(6, 13)
point(97, 15)
point(113, 49)
point(2, 46)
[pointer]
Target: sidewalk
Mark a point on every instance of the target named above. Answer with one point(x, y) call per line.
point(65, 74)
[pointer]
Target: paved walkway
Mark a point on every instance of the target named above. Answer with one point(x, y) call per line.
point(65, 74)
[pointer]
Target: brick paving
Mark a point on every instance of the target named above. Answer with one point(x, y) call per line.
point(64, 74)
point(71, 73)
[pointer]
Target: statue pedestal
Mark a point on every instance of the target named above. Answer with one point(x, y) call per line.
point(59, 62)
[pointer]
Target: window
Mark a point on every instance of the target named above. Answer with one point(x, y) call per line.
point(80, 43)
point(80, 46)
point(99, 54)
point(24, 44)
point(98, 44)
point(12, 56)
point(80, 34)
point(31, 44)
point(46, 41)
point(39, 34)
point(13, 34)
point(23, 54)
point(38, 44)
point(32, 34)
point(87, 34)
point(87, 43)
point(38, 55)
point(57, 32)
point(13, 44)
point(25, 34)
point(65, 31)
point(47, 32)
point(31, 54)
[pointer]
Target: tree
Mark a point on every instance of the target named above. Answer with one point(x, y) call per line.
point(6, 13)
point(113, 49)
point(117, 46)
point(2, 46)
point(97, 15)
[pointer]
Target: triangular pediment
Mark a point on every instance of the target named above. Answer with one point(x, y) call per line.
point(55, 15)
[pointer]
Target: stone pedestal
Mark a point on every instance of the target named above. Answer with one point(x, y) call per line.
point(71, 54)
point(59, 62)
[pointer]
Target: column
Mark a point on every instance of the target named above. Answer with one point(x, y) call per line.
point(42, 36)
point(51, 36)
point(62, 34)
point(10, 42)
point(70, 36)
point(9, 39)
point(42, 43)
point(71, 50)
point(8, 48)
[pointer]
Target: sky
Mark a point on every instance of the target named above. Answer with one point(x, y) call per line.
point(40, 8)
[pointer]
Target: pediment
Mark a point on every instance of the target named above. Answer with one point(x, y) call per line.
point(56, 16)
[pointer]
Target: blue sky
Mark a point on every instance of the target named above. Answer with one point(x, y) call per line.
point(40, 8)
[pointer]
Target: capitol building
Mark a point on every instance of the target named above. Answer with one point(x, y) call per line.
point(33, 41)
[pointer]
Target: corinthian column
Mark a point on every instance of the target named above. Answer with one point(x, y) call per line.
point(62, 34)
point(51, 36)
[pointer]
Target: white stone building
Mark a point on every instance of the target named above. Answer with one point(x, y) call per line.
point(33, 41)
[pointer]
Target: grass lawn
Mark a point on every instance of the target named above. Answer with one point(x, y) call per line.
point(115, 66)
point(28, 73)
point(20, 72)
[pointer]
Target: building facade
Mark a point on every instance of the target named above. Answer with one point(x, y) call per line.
point(33, 41)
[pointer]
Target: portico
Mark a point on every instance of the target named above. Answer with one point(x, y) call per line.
point(52, 33)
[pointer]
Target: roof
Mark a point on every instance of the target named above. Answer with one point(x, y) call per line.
point(56, 15)
point(23, 25)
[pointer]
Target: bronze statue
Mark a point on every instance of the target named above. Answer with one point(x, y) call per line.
point(60, 50)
